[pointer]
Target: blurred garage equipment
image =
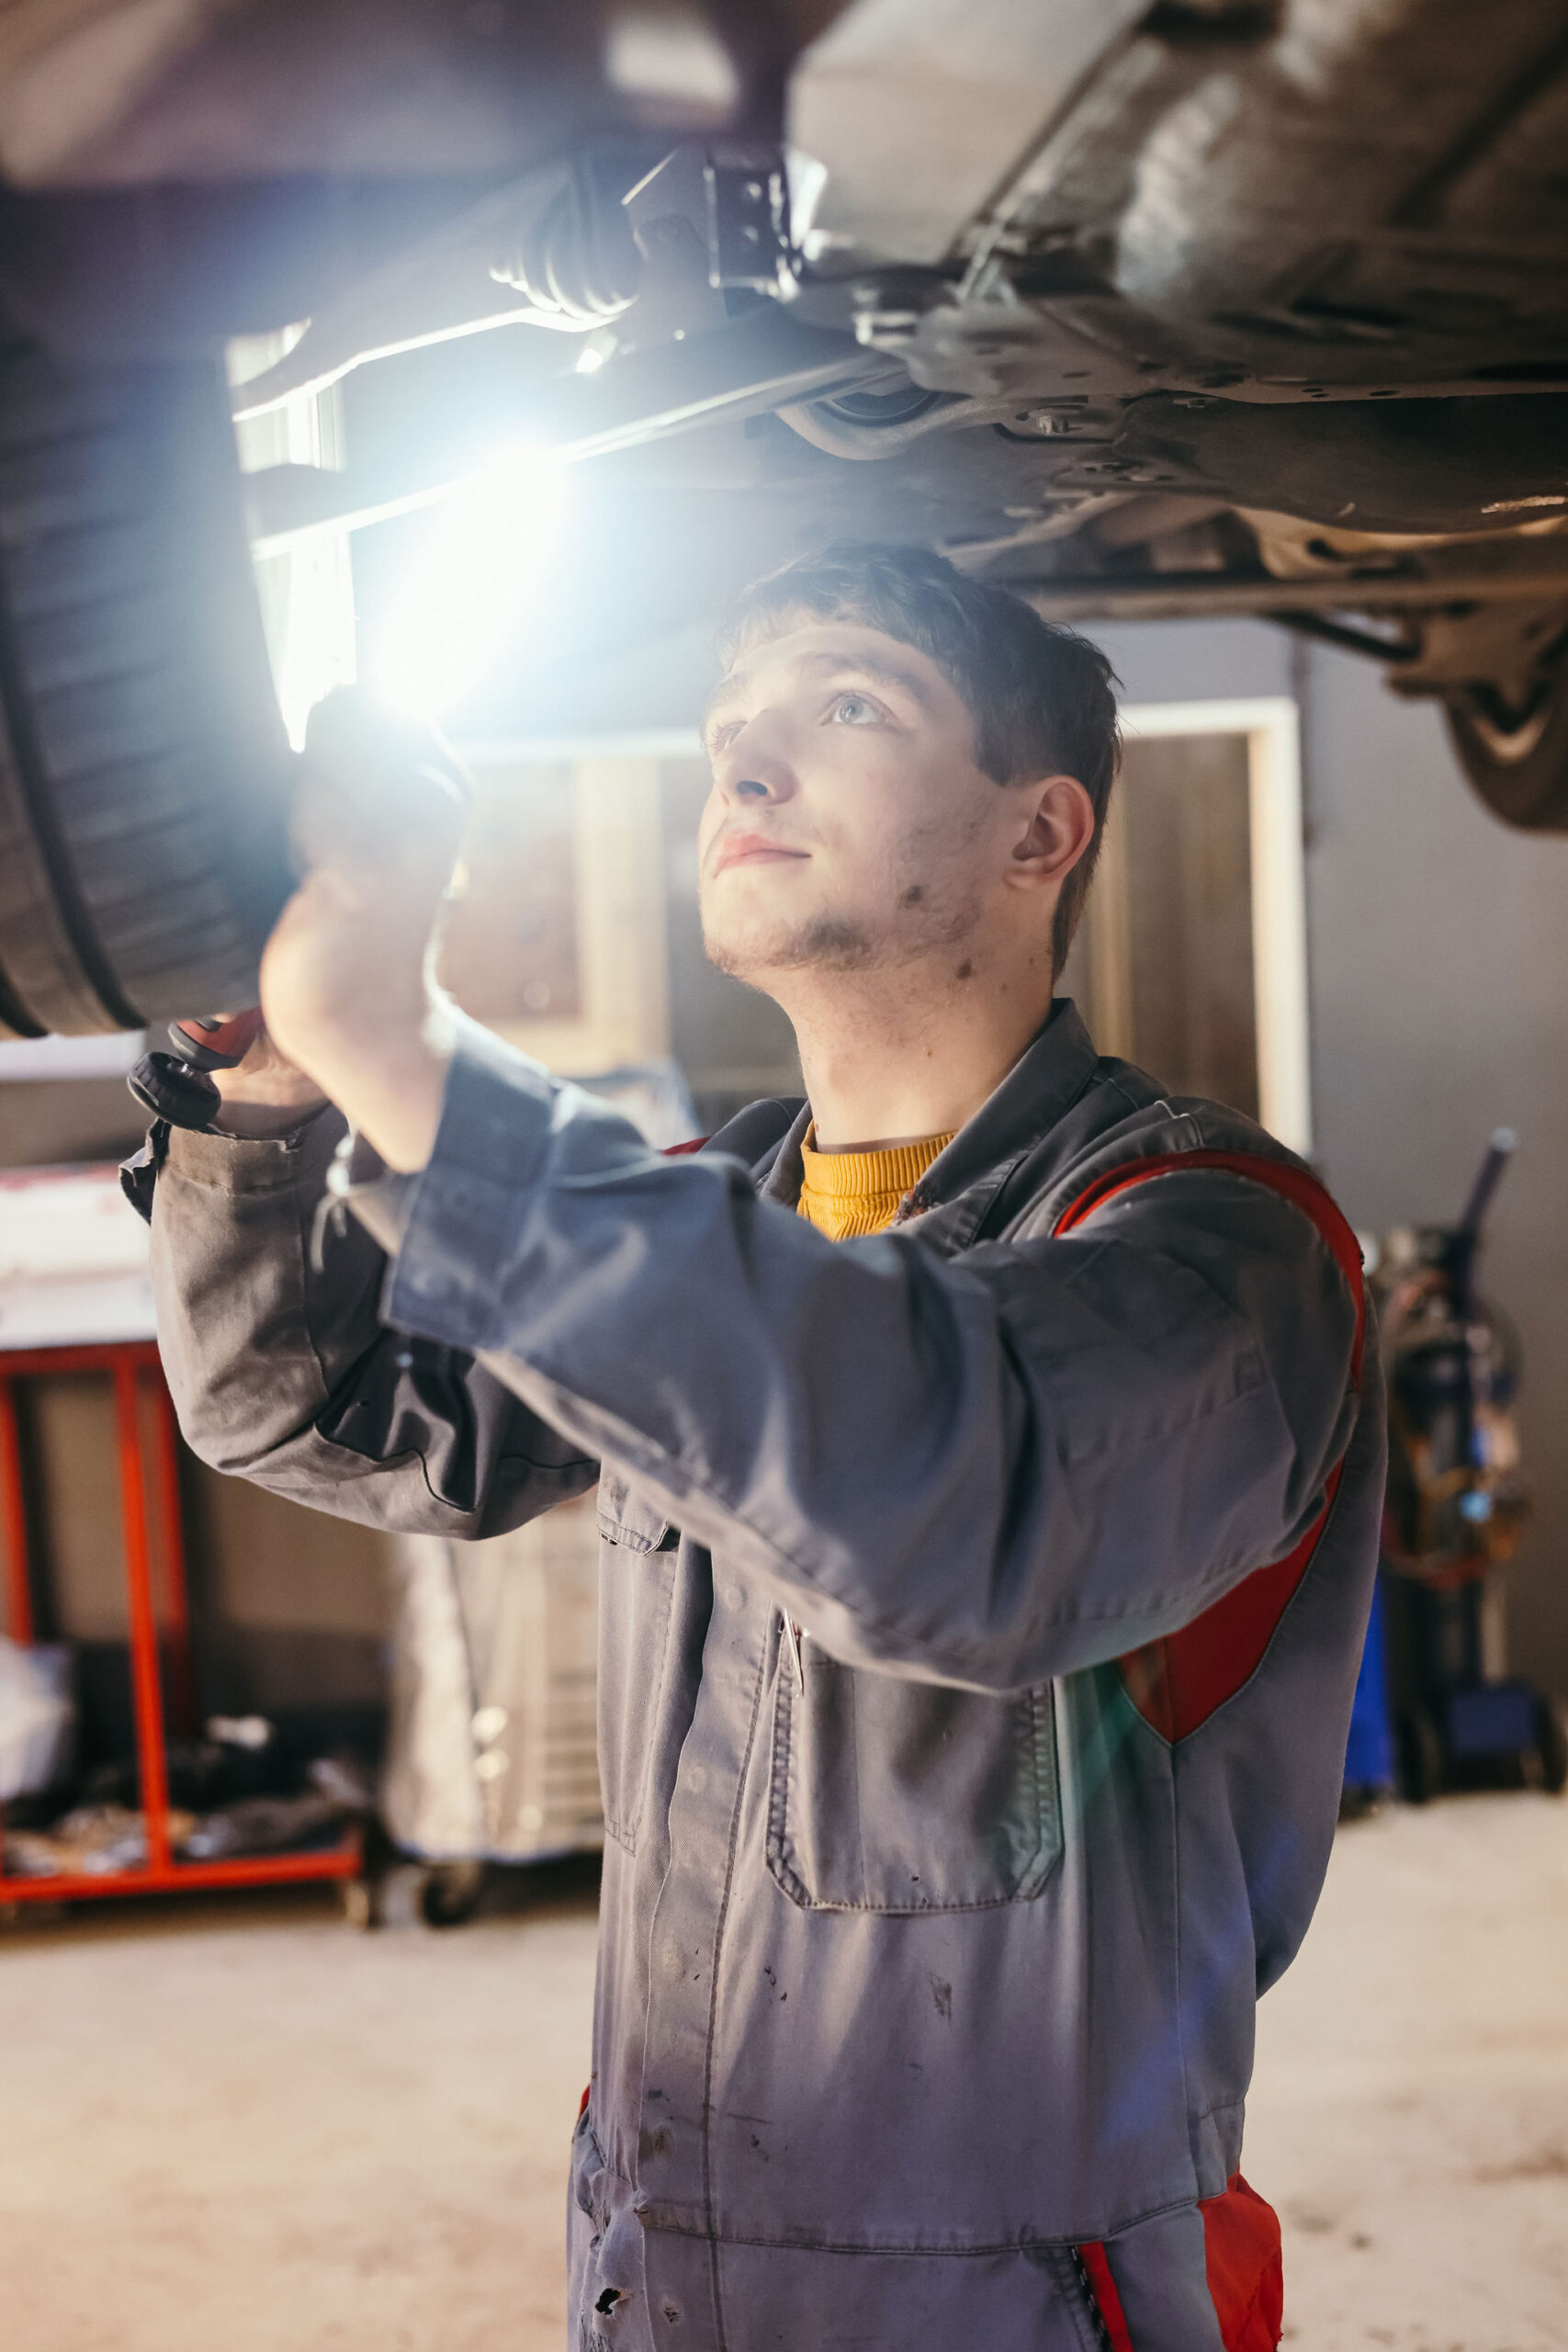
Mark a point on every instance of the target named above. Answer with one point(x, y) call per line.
point(1456, 1505)
point(37, 1716)
point(160, 1635)
point(74, 1298)
point(1368, 1751)
point(491, 1754)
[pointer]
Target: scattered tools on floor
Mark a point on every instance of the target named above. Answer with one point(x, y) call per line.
point(227, 1797)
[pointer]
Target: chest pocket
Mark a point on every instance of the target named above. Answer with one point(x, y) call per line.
point(897, 1796)
point(636, 1583)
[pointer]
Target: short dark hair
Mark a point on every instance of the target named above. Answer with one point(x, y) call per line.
point(1041, 695)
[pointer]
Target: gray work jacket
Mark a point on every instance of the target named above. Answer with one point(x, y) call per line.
point(931, 1931)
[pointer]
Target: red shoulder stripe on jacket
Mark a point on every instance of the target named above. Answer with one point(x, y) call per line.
point(1176, 1682)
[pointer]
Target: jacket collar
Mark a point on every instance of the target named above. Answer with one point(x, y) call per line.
point(958, 1188)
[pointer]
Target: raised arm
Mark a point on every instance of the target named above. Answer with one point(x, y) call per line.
point(988, 1469)
point(283, 1372)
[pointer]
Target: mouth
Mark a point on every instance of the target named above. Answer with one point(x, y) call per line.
point(755, 849)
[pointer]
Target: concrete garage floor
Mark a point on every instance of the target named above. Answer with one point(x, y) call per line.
point(240, 2127)
point(1409, 2114)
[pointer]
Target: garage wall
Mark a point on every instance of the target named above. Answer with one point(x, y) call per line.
point(54, 1120)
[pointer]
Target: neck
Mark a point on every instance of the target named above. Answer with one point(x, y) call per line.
point(886, 1060)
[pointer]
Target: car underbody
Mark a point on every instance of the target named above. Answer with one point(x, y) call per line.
point(1207, 307)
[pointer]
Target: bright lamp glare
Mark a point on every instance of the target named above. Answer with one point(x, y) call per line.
point(472, 583)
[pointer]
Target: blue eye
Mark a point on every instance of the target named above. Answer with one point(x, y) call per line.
point(855, 710)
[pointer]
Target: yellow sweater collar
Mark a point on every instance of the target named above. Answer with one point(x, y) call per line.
point(847, 1194)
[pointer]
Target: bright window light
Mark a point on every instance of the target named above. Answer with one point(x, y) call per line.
point(473, 581)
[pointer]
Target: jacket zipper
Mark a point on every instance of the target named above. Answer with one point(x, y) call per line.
point(1089, 2302)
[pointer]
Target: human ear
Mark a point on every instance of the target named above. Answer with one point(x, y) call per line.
point(1059, 830)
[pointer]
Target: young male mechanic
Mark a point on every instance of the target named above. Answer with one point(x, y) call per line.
point(989, 1464)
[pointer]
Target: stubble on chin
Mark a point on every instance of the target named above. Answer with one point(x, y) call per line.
point(823, 942)
point(922, 924)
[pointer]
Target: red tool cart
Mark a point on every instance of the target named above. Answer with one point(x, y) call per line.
point(160, 1634)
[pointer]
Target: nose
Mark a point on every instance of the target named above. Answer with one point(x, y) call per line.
point(754, 766)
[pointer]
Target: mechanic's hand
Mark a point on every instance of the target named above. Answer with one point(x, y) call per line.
point(344, 979)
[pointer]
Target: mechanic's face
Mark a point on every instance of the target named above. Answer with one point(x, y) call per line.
point(849, 826)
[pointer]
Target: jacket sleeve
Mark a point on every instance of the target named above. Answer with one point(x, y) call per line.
point(282, 1370)
point(986, 1469)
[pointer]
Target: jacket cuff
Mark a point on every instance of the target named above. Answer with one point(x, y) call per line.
point(227, 1163)
point(255, 1164)
point(459, 1225)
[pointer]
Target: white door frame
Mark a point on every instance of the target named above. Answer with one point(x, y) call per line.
point(1271, 724)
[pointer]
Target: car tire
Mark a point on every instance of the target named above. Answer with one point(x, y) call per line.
point(143, 767)
point(1518, 766)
